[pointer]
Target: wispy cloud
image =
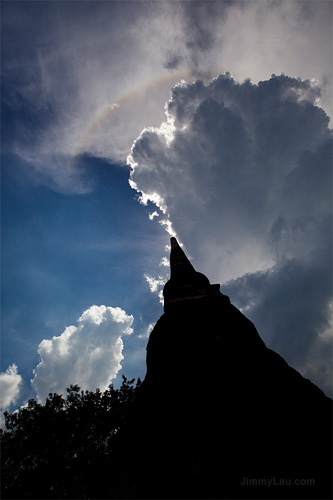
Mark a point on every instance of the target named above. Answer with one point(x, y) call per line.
point(72, 90)
point(146, 334)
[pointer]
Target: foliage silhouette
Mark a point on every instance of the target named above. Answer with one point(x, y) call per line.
point(60, 449)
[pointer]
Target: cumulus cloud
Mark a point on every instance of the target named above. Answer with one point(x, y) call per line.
point(155, 283)
point(88, 354)
point(246, 181)
point(146, 334)
point(239, 156)
point(164, 262)
point(10, 386)
point(153, 214)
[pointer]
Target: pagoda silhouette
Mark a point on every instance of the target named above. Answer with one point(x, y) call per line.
point(220, 415)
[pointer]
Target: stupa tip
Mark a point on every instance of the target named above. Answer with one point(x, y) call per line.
point(174, 242)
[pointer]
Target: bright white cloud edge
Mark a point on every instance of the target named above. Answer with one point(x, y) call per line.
point(10, 386)
point(181, 170)
point(88, 354)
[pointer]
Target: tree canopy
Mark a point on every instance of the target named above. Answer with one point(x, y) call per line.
point(65, 448)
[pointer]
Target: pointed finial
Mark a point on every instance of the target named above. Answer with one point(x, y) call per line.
point(179, 263)
point(186, 285)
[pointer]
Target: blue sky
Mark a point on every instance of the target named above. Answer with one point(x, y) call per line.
point(125, 122)
point(63, 253)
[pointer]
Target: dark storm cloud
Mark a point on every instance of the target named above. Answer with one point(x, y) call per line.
point(173, 61)
point(196, 14)
point(290, 306)
point(202, 23)
point(245, 173)
point(238, 149)
point(289, 302)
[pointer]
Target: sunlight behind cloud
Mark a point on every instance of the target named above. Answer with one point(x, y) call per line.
point(246, 183)
point(220, 112)
point(101, 107)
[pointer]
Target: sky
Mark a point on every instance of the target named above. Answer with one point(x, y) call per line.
point(126, 122)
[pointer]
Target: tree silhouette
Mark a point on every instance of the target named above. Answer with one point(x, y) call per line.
point(63, 448)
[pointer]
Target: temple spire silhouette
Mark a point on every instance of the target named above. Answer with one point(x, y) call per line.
point(218, 409)
point(185, 284)
point(179, 263)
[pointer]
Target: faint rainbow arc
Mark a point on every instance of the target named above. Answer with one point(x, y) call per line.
point(107, 111)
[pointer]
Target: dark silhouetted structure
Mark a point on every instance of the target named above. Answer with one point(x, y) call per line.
point(219, 415)
point(185, 284)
